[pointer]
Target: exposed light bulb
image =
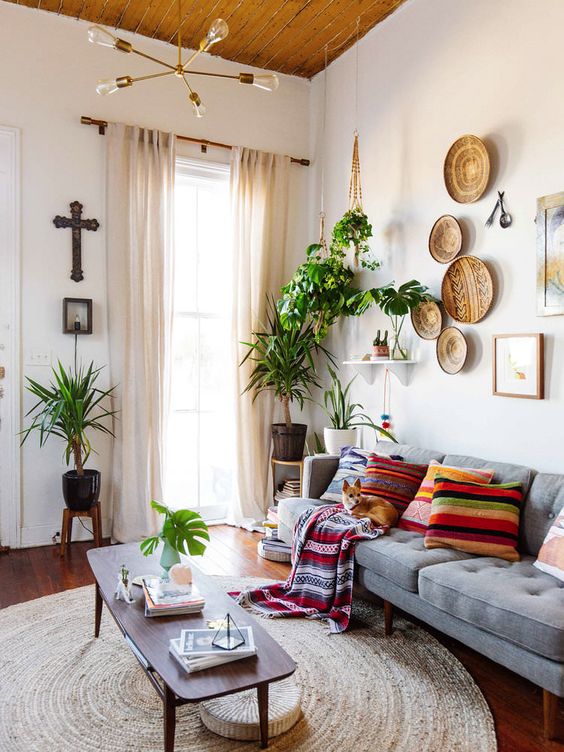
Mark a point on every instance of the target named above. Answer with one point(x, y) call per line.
point(217, 31)
point(110, 85)
point(101, 36)
point(266, 81)
point(107, 86)
point(199, 109)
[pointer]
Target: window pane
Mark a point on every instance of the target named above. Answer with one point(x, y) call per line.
point(185, 260)
point(182, 461)
point(216, 474)
point(185, 363)
point(214, 251)
point(214, 375)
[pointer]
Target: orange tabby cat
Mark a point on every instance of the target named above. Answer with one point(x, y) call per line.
point(379, 511)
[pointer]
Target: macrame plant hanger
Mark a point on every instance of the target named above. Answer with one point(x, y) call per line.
point(355, 187)
point(323, 251)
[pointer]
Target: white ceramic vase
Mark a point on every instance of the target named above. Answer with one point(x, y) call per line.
point(335, 438)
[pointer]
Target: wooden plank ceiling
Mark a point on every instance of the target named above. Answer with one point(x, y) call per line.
point(282, 35)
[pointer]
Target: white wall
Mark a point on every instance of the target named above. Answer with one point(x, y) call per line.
point(48, 72)
point(433, 71)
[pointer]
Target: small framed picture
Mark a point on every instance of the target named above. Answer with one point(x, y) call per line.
point(518, 365)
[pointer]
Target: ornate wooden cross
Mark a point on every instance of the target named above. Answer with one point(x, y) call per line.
point(76, 224)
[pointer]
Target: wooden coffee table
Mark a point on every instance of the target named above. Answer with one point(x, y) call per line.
point(149, 640)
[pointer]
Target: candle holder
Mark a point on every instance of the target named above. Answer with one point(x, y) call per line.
point(228, 636)
point(77, 316)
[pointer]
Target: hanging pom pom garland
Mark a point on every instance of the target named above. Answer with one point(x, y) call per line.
point(386, 417)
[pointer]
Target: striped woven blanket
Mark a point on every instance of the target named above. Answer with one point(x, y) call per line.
point(321, 581)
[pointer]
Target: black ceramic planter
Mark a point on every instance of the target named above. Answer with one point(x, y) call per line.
point(288, 443)
point(81, 491)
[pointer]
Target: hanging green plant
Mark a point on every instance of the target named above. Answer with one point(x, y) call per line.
point(354, 228)
point(320, 291)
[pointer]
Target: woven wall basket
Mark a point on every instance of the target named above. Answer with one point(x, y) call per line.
point(467, 169)
point(445, 240)
point(467, 289)
point(452, 350)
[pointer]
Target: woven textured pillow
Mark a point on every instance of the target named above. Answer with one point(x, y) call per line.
point(476, 518)
point(551, 555)
point(393, 480)
point(352, 465)
point(416, 516)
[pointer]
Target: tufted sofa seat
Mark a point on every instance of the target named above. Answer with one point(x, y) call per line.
point(513, 600)
point(510, 612)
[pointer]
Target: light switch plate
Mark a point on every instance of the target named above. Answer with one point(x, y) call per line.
point(38, 358)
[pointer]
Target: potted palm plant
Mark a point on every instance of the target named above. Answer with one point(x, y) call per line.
point(283, 363)
point(345, 416)
point(183, 532)
point(69, 408)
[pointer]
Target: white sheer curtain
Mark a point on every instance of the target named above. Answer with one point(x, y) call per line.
point(139, 192)
point(259, 193)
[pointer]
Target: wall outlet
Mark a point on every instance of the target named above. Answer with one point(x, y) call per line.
point(38, 358)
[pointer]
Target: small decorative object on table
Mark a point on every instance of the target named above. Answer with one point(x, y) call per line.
point(123, 587)
point(183, 532)
point(228, 636)
point(380, 347)
point(180, 574)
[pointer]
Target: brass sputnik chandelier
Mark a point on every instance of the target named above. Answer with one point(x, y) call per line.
point(217, 31)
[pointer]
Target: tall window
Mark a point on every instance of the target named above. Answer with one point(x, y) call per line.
point(199, 459)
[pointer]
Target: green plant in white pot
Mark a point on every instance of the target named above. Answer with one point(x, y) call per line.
point(345, 416)
point(183, 532)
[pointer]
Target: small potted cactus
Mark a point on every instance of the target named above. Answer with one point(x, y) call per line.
point(380, 347)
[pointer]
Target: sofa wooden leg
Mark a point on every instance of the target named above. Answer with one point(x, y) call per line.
point(388, 618)
point(550, 707)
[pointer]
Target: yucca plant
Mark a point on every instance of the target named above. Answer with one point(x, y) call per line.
point(343, 413)
point(69, 408)
point(283, 361)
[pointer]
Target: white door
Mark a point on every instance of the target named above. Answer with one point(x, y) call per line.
point(9, 337)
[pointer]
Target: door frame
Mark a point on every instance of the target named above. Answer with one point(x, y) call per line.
point(10, 513)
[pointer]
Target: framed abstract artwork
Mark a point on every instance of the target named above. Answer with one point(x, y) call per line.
point(518, 365)
point(550, 255)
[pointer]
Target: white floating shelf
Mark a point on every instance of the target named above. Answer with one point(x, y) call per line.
point(400, 368)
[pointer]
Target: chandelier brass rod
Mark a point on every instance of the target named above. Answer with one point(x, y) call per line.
point(154, 59)
point(103, 124)
point(153, 75)
point(214, 75)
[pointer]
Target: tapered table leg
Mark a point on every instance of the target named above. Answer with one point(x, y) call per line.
point(169, 718)
point(262, 692)
point(97, 611)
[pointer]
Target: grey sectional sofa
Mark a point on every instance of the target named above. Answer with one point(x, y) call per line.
point(510, 612)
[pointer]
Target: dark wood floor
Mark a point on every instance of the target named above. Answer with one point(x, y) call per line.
point(516, 703)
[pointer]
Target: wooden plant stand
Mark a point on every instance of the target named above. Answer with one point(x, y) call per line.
point(94, 513)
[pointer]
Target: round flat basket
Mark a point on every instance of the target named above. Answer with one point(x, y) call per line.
point(467, 290)
point(427, 320)
point(452, 350)
point(272, 555)
point(237, 716)
point(445, 240)
point(467, 169)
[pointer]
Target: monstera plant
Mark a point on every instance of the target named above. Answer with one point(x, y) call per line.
point(183, 532)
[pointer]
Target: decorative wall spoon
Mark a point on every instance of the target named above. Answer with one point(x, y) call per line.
point(505, 219)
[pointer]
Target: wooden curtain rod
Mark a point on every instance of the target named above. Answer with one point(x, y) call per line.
point(103, 124)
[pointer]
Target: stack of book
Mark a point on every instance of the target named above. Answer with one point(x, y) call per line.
point(288, 490)
point(274, 549)
point(194, 650)
point(167, 599)
point(272, 515)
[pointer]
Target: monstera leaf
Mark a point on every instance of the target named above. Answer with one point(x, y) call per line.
point(184, 530)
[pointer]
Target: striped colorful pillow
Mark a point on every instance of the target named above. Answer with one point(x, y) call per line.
point(476, 518)
point(416, 516)
point(392, 480)
point(352, 465)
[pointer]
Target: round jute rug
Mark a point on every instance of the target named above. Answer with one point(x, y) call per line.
point(64, 691)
